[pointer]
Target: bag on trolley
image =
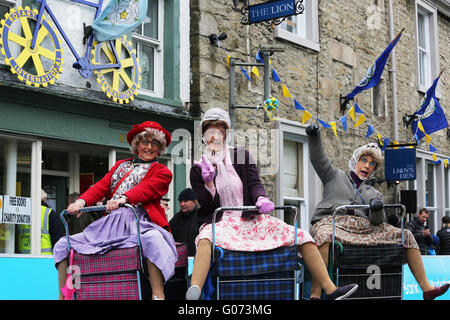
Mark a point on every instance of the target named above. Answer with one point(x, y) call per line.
point(377, 269)
point(262, 275)
point(118, 274)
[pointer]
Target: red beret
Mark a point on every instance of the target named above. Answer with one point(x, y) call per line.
point(138, 128)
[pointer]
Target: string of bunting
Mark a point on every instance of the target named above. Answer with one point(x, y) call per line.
point(355, 112)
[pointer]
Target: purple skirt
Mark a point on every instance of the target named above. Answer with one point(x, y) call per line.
point(118, 230)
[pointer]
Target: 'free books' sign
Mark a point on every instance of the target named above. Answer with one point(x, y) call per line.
point(16, 210)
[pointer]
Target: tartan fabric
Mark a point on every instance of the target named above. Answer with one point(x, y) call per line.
point(182, 255)
point(238, 263)
point(363, 256)
point(261, 275)
point(269, 286)
point(358, 264)
point(112, 261)
point(388, 288)
point(110, 276)
point(109, 287)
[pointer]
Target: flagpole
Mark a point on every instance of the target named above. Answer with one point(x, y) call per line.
point(394, 85)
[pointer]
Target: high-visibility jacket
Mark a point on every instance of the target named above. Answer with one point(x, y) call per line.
point(24, 237)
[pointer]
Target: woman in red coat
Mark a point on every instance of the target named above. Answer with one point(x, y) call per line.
point(138, 180)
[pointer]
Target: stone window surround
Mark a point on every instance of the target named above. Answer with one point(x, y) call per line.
point(312, 34)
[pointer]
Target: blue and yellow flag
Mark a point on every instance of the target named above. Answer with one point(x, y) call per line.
point(374, 72)
point(430, 114)
point(118, 18)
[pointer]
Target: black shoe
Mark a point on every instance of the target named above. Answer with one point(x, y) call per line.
point(343, 292)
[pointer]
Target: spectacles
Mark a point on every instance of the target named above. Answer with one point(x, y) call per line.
point(153, 142)
point(212, 132)
point(371, 163)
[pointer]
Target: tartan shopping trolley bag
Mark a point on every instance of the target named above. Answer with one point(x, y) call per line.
point(378, 270)
point(118, 274)
point(265, 275)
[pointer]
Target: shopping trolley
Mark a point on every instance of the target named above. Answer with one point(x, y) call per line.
point(378, 270)
point(118, 274)
point(265, 275)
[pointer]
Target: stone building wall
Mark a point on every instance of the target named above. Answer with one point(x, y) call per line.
point(352, 35)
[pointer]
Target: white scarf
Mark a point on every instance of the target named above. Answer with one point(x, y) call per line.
point(227, 181)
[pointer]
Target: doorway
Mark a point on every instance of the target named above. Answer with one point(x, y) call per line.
point(56, 189)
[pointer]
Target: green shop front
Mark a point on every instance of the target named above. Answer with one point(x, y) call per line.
point(63, 143)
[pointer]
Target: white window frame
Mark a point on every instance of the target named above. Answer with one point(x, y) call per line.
point(431, 32)
point(447, 190)
point(308, 37)
point(158, 45)
point(438, 209)
point(294, 131)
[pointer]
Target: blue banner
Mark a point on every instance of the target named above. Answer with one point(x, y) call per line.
point(400, 164)
point(271, 10)
point(436, 268)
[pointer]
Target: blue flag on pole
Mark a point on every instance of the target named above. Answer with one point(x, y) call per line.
point(430, 113)
point(118, 18)
point(374, 72)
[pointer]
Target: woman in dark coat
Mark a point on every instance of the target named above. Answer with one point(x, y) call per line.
point(228, 176)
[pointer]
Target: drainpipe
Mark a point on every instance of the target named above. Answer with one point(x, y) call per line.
point(394, 87)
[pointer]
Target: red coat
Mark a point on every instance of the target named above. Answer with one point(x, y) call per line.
point(148, 192)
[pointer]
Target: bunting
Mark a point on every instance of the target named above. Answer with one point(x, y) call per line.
point(355, 113)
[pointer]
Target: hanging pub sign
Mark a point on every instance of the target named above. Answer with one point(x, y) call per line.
point(400, 164)
point(271, 12)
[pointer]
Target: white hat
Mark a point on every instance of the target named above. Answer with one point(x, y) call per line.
point(216, 114)
point(370, 149)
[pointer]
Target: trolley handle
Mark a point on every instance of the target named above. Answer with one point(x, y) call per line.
point(97, 208)
point(250, 208)
point(366, 206)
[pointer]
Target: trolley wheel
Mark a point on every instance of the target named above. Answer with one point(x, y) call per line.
point(36, 66)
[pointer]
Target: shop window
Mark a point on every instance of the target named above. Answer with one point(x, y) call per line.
point(148, 43)
point(15, 180)
point(92, 169)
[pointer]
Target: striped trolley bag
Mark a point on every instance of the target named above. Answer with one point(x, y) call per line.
point(175, 288)
point(378, 270)
point(265, 275)
point(118, 274)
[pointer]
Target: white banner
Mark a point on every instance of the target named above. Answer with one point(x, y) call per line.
point(16, 210)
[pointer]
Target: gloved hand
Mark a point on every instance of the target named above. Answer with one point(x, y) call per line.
point(264, 205)
point(376, 213)
point(207, 170)
point(376, 204)
point(312, 130)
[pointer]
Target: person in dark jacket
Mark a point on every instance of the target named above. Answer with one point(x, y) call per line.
point(184, 225)
point(444, 236)
point(55, 226)
point(420, 232)
point(228, 176)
